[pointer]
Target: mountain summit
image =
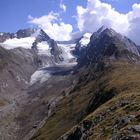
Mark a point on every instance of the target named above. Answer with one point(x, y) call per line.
point(108, 43)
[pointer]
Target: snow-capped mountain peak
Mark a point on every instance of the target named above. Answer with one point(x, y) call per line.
point(105, 30)
point(22, 38)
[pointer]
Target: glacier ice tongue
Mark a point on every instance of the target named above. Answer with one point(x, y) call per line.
point(39, 76)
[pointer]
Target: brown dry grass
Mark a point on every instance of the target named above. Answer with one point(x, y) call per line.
point(122, 76)
point(66, 115)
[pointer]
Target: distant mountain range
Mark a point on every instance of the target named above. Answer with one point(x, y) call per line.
point(82, 89)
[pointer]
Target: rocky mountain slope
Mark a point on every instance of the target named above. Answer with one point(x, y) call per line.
point(27, 62)
point(19, 34)
point(104, 104)
point(16, 67)
point(87, 88)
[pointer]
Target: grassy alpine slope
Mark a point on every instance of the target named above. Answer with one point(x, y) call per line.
point(108, 117)
point(118, 118)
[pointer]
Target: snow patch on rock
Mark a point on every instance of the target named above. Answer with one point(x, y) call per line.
point(15, 43)
point(85, 39)
point(68, 57)
point(43, 48)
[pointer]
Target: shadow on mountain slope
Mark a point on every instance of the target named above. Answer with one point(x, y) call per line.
point(60, 70)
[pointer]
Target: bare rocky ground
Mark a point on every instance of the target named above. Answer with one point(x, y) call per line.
point(24, 114)
point(24, 107)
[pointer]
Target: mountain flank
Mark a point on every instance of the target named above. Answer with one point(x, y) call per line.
point(83, 89)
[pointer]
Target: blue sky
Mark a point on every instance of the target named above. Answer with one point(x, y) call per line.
point(14, 13)
point(122, 6)
point(66, 19)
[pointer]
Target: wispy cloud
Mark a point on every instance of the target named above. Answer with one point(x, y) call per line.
point(62, 6)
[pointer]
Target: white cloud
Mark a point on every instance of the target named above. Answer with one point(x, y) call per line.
point(53, 26)
point(63, 6)
point(90, 19)
point(134, 23)
point(97, 13)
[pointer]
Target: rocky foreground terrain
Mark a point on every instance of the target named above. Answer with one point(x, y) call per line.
point(83, 89)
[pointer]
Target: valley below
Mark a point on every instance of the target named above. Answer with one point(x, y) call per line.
point(28, 112)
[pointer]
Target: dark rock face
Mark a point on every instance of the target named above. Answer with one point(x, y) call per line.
point(100, 98)
point(54, 49)
point(19, 34)
point(108, 43)
point(76, 135)
point(25, 33)
point(42, 36)
point(79, 51)
point(5, 36)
